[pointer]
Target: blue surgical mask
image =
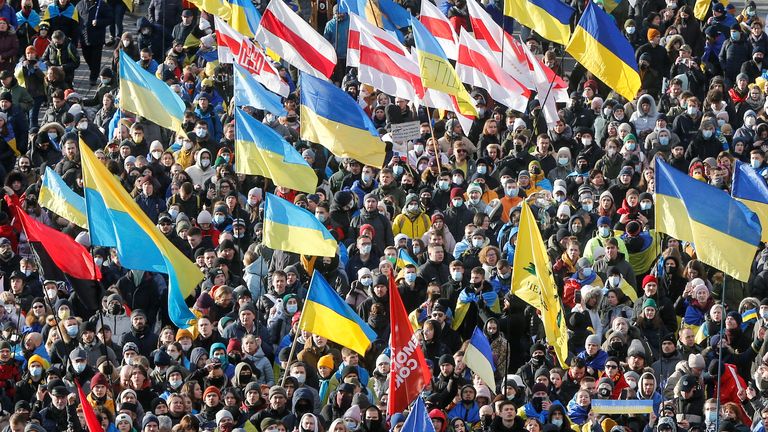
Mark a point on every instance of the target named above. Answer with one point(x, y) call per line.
point(36, 371)
point(398, 170)
point(410, 277)
point(291, 308)
point(457, 275)
point(586, 207)
point(458, 202)
point(755, 163)
point(444, 185)
point(416, 250)
point(73, 330)
point(219, 219)
point(78, 367)
point(512, 192)
point(645, 206)
point(735, 36)
point(557, 422)
point(563, 161)
point(482, 169)
point(366, 281)
point(365, 249)
point(664, 140)
point(604, 231)
point(707, 133)
point(587, 271)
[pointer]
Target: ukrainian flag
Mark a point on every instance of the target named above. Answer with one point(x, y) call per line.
point(479, 357)
point(115, 220)
point(326, 314)
point(610, 5)
point(57, 197)
point(403, 259)
point(618, 407)
point(244, 17)
point(250, 92)
point(261, 151)
point(549, 18)
point(436, 72)
point(751, 190)
point(291, 228)
point(384, 14)
point(53, 11)
point(601, 48)
point(220, 8)
point(336, 121)
point(144, 94)
point(726, 233)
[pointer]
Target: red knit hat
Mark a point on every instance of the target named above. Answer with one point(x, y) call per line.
point(211, 389)
point(99, 379)
point(457, 193)
point(650, 278)
point(234, 345)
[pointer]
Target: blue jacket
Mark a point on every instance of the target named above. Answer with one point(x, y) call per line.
point(215, 129)
point(543, 416)
point(469, 415)
point(693, 315)
point(331, 34)
point(598, 362)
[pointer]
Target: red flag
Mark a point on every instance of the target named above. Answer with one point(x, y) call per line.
point(70, 256)
point(409, 373)
point(93, 423)
point(731, 382)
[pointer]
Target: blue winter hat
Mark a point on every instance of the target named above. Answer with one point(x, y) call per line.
point(604, 220)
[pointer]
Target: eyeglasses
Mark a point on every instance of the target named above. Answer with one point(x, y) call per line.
point(611, 366)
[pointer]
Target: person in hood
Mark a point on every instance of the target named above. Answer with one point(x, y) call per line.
point(202, 170)
point(467, 408)
point(644, 118)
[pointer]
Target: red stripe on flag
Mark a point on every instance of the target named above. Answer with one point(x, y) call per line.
point(384, 64)
point(439, 28)
point(315, 59)
point(93, 423)
point(482, 33)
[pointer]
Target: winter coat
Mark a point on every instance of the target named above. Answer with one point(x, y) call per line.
point(87, 12)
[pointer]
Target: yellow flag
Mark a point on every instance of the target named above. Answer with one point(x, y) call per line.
point(533, 282)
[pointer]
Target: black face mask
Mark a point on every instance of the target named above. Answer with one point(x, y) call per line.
point(539, 359)
point(604, 392)
point(537, 403)
point(617, 346)
point(486, 419)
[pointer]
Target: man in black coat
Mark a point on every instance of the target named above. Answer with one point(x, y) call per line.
point(94, 17)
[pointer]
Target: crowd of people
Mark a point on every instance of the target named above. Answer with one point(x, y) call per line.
point(646, 319)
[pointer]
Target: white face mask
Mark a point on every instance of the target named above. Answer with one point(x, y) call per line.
point(300, 377)
point(126, 43)
point(187, 145)
point(205, 163)
point(157, 154)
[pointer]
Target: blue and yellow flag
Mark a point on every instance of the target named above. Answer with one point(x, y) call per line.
point(436, 72)
point(115, 220)
point(384, 14)
point(549, 18)
point(250, 92)
point(53, 11)
point(532, 281)
point(220, 8)
point(144, 94)
point(328, 315)
point(479, 357)
point(244, 17)
point(403, 259)
point(617, 407)
point(57, 197)
point(750, 188)
point(610, 5)
point(261, 151)
point(291, 228)
point(336, 121)
point(33, 19)
point(601, 48)
point(724, 231)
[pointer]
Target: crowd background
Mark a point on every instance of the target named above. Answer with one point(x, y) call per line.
point(646, 319)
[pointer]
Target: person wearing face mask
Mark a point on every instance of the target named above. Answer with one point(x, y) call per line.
point(747, 130)
point(62, 52)
point(705, 143)
point(736, 50)
point(78, 366)
point(412, 222)
point(34, 376)
point(202, 170)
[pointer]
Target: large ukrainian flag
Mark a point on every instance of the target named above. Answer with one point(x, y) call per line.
point(724, 231)
point(436, 72)
point(601, 48)
point(57, 197)
point(335, 121)
point(291, 228)
point(326, 314)
point(751, 189)
point(244, 17)
point(115, 220)
point(549, 18)
point(261, 151)
point(144, 94)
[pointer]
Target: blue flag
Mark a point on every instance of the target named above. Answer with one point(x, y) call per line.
point(418, 420)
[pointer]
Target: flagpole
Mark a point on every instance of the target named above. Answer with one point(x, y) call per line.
point(434, 140)
point(720, 356)
point(295, 337)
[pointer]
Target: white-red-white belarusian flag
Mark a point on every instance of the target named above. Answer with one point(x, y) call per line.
point(293, 39)
point(437, 23)
point(388, 68)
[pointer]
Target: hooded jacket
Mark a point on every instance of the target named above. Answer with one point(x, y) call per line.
point(645, 121)
point(197, 172)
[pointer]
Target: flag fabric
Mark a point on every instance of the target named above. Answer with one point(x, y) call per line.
point(336, 121)
point(730, 385)
point(418, 419)
point(53, 11)
point(291, 228)
point(618, 407)
point(382, 14)
point(549, 18)
point(91, 421)
point(476, 66)
point(144, 94)
point(293, 39)
point(357, 26)
point(438, 25)
point(57, 197)
point(610, 5)
point(503, 46)
point(750, 188)
point(388, 69)
point(545, 88)
point(409, 373)
point(479, 357)
point(533, 282)
point(244, 17)
point(249, 92)
point(220, 8)
point(262, 151)
point(601, 48)
point(436, 72)
point(326, 314)
point(115, 220)
point(726, 239)
point(237, 49)
point(403, 259)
